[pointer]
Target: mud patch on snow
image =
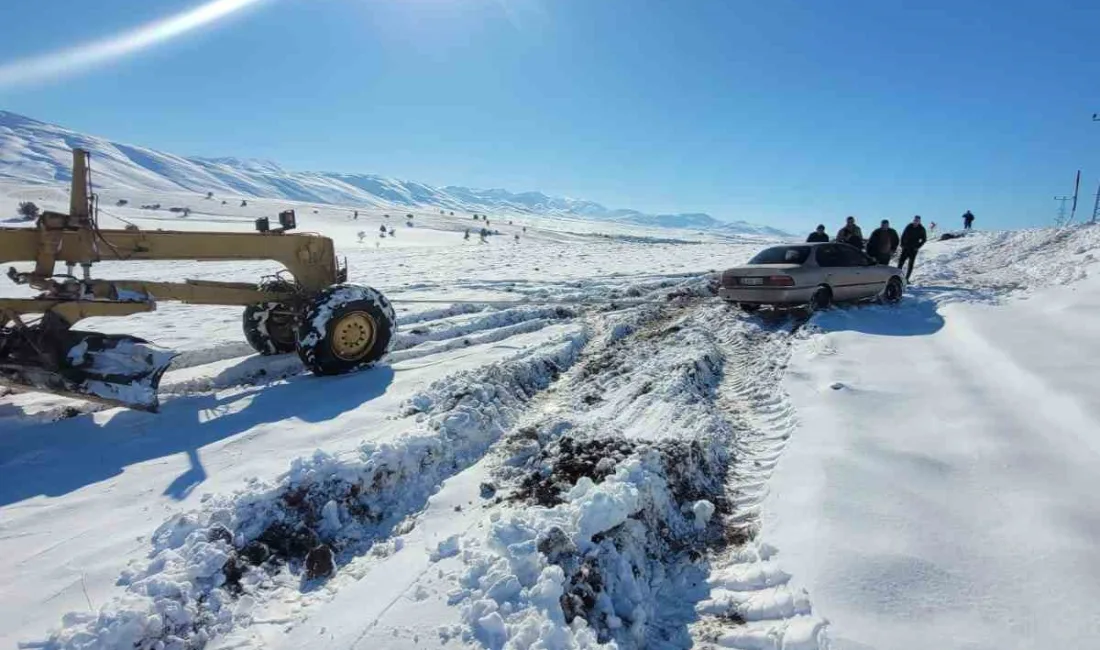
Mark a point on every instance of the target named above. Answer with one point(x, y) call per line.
point(565, 462)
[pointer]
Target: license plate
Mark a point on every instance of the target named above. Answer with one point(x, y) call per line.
point(752, 281)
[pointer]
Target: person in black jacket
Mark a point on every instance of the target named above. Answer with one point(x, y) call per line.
point(968, 220)
point(882, 243)
point(818, 235)
point(912, 238)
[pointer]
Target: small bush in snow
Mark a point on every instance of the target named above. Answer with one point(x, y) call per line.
point(121, 202)
point(28, 210)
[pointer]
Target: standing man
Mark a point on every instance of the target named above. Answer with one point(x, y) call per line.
point(850, 233)
point(968, 220)
point(818, 235)
point(912, 238)
point(882, 243)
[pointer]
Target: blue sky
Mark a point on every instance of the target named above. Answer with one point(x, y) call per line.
point(784, 112)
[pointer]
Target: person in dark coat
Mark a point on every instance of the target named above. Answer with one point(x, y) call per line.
point(968, 220)
point(882, 243)
point(912, 238)
point(818, 235)
point(850, 233)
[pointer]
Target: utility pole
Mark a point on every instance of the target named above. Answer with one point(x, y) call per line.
point(1096, 207)
point(1060, 220)
point(1076, 189)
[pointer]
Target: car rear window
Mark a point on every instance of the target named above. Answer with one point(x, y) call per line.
point(782, 255)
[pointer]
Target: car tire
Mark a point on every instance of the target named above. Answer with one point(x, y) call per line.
point(748, 307)
point(891, 295)
point(822, 298)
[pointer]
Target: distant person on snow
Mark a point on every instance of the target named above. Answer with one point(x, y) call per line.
point(818, 235)
point(850, 233)
point(882, 243)
point(466, 237)
point(968, 220)
point(912, 238)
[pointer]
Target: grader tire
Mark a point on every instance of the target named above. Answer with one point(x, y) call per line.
point(269, 329)
point(346, 327)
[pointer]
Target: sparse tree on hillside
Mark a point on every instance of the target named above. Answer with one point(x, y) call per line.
point(244, 204)
point(209, 195)
point(28, 210)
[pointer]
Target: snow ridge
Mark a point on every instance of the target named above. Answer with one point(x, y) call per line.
point(208, 568)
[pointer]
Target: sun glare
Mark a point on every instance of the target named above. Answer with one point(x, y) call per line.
point(67, 61)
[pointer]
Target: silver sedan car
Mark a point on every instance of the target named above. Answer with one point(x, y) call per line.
point(814, 275)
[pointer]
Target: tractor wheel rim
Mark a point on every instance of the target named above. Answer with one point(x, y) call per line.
point(353, 336)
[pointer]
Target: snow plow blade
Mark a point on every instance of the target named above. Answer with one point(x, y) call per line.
point(115, 370)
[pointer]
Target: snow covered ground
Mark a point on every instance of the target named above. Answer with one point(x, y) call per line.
point(574, 444)
point(941, 488)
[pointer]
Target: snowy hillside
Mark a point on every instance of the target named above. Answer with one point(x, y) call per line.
point(33, 151)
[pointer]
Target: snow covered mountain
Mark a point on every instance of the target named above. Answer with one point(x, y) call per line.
point(35, 152)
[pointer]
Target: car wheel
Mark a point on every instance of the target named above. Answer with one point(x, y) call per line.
point(892, 293)
point(748, 307)
point(821, 299)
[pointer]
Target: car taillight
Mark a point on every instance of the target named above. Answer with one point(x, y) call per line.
point(779, 281)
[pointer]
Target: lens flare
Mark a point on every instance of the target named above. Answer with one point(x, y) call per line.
point(68, 61)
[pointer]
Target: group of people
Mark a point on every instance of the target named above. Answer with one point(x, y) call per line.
point(883, 242)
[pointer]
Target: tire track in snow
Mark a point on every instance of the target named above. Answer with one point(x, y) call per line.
point(752, 605)
point(324, 512)
point(631, 494)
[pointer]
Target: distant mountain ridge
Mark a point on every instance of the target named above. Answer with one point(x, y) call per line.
point(35, 151)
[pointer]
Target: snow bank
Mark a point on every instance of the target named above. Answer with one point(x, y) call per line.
point(206, 567)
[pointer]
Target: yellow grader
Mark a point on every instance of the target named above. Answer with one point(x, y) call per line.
point(334, 327)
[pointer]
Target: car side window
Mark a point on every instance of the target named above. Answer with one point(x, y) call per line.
point(829, 256)
point(851, 256)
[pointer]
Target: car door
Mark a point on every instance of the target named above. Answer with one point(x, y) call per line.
point(843, 267)
point(859, 271)
point(835, 270)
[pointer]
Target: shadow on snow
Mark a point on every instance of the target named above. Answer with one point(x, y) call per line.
point(57, 458)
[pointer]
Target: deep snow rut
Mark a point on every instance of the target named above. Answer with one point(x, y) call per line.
point(208, 569)
point(628, 455)
point(639, 481)
point(752, 605)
